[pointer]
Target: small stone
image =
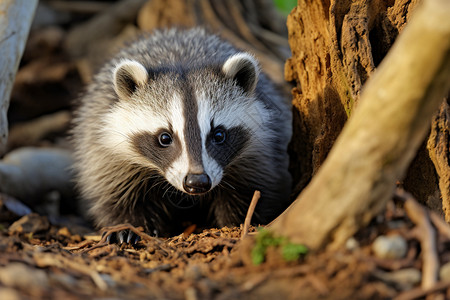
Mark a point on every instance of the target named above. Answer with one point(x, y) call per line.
point(405, 279)
point(390, 247)
point(352, 244)
point(444, 272)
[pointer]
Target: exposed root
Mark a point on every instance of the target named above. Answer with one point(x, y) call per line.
point(426, 234)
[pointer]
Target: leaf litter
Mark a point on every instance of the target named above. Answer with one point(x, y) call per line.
point(41, 260)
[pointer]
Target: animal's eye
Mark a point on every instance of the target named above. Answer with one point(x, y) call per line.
point(165, 139)
point(219, 136)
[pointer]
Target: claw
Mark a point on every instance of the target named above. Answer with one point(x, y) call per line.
point(130, 236)
point(121, 235)
point(137, 239)
point(108, 238)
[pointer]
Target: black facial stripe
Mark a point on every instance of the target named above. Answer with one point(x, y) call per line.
point(148, 145)
point(192, 133)
point(235, 142)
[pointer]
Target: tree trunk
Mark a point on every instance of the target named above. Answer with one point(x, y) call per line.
point(336, 46)
point(384, 131)
point(15, 21)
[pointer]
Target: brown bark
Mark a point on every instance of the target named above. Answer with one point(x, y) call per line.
point(335, 47)
point(382, 135)
point(438, 147)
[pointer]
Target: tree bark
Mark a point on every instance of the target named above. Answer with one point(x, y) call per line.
point(438, 149)
point(336, 45)
point(381, 137)
point(15, 21)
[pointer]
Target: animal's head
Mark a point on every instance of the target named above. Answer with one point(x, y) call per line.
point(188, 124)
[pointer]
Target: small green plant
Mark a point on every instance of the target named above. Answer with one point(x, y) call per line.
point(285, 6)
point(265, 239)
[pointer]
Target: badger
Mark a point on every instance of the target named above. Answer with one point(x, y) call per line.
point(178, 128)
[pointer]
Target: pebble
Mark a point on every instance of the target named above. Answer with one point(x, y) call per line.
point(390, 247)
point(444, 272)
point(352, 244)
point(405, 279)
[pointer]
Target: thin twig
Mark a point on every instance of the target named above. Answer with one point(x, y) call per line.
point(250, 211)
point(427, 237)
point(420, 292)
point(442, 226)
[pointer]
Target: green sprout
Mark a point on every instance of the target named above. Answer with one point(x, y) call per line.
point(265, 239)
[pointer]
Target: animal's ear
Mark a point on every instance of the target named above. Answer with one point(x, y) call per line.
point(128, 76)
point(243, 68)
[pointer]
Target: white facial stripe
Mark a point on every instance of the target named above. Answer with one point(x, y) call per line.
point(250, 114)
point(178, 170)
point(204, 116)
point(126, 120)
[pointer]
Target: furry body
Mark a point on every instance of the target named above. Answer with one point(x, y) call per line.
point(180, 127)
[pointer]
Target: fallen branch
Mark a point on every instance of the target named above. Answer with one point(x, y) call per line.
point(251, 210)
point(103, 26)
point(380, 139)
point(15, 21)
point(31, 132)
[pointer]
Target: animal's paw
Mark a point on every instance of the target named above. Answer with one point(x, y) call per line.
point(123, 236)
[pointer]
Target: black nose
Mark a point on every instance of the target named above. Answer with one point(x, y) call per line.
point(196, 183)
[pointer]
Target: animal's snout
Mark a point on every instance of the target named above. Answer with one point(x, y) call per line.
point(197, 183)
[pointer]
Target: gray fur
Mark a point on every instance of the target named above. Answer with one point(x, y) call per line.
point(127, 181)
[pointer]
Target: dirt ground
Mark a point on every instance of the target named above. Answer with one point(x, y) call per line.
point(54, 254)
point(43, 260)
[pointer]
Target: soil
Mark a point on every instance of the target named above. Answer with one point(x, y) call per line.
point(47, 260)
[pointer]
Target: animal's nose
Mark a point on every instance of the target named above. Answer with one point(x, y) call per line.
point(197, 183)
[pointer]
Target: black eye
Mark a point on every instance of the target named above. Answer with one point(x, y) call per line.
point(165, 139)
point(219, 136)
